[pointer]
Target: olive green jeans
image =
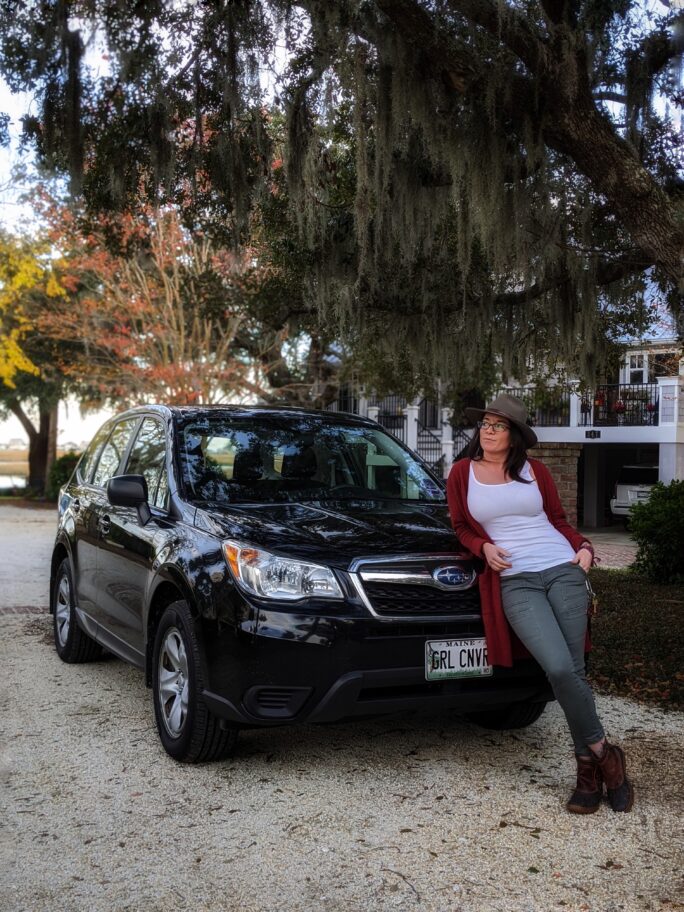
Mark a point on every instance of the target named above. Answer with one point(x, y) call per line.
point(548, 612)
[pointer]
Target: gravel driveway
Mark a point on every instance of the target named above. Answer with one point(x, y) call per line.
point(403, 813)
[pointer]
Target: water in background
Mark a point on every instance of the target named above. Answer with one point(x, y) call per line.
point(12, 481)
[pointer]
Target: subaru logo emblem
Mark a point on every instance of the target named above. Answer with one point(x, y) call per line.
point(451, 576)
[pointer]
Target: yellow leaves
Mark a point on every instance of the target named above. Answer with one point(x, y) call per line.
point(24, 272)
point(19, 272)
point(53, 289)
point(13, 359)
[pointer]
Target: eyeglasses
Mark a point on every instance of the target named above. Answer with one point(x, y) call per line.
point(498, 427)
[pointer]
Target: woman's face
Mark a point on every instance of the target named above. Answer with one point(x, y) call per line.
point(495, 442)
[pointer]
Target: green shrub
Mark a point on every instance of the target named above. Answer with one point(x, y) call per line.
point(658, 529)
point(60, 473)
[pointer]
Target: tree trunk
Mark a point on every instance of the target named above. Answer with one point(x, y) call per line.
point(52, 439)
point(644, 208)
point(39, 443)
point(38, 453)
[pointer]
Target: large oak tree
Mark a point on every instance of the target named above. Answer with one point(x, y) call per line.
point(469, 178)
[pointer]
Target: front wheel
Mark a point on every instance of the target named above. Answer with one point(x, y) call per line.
point(73, 645)
point(516, 715)
point(187, 729)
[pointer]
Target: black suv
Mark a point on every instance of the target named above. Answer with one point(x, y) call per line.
point(269, 565)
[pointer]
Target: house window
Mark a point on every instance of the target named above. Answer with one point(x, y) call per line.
point(636, 368)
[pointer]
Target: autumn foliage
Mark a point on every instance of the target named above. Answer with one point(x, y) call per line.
point(148, 312)
point(23, 274)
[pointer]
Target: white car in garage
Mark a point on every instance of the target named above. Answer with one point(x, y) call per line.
point(634, 485)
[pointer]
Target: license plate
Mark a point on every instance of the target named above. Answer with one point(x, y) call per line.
point(456, 659)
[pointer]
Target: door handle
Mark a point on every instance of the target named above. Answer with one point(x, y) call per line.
point(105, 524)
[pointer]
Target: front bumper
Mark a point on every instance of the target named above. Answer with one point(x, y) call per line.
point(291, 667)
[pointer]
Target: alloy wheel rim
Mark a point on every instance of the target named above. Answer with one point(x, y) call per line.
point(173, 682)
point(63, 610)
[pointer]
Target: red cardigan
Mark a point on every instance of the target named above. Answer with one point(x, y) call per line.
point(502, 644)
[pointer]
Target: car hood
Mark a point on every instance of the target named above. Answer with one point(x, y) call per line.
point(335, 532)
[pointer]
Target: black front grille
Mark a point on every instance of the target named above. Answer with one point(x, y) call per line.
point(435, 630)
point(399, 600)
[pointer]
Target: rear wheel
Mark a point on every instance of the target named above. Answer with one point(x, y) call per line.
point(187, 729)
point(73, 645)
point(516, 715)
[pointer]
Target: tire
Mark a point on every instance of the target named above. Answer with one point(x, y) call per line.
point(73, 644)
point(516, 715)
point(188, 731)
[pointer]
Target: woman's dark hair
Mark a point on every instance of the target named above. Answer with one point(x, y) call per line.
point(516, 455)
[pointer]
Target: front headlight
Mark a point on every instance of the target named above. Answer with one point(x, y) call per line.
point(272, 577)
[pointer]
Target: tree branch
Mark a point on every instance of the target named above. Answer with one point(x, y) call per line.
point(607, 272)
point(559, 11)
point(655, 52)
point(610, 96)
point(417, 28)
point(15, 407)
point(507, 26)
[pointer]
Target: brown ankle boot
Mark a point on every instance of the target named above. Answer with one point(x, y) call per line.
point(614, 772)
point(589, 789)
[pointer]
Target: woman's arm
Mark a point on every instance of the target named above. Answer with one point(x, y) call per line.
point(456, 493)
point(556, 515)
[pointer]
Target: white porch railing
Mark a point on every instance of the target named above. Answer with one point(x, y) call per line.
point(611, 413)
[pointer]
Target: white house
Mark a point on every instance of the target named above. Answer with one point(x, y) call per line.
point(586, 436)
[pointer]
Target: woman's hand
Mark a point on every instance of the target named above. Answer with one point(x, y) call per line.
point(496, 557)
point(584, 558)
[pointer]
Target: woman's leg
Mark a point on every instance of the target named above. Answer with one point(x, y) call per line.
point(559, 649)
point(568, 598)
point(567, 595)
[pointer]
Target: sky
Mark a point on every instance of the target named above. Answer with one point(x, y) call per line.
point(14, 214)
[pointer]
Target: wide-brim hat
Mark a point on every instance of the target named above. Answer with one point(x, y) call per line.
point(510, 407)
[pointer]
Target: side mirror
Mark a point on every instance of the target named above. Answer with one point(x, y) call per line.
point(130, 491)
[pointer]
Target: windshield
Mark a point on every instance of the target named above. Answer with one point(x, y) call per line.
point(269, 459)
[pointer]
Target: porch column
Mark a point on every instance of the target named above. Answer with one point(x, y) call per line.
point(447, 441)
point(575, 410)
point(411, 412)
point(667, 400)
point(363, 406)
point(671, 412)
point(594, 486)
point(373, 412)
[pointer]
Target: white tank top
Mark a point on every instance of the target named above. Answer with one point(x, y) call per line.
point(512, 514)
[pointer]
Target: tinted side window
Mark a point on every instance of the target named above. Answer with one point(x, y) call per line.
point(113, 450)
point(148, 458)
point(85, 466)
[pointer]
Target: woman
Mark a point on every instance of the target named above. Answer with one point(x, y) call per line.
point(505, 509)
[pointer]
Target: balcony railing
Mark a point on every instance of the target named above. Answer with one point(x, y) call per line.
point(609, 405)
point(546, 406)
point(631, 404)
